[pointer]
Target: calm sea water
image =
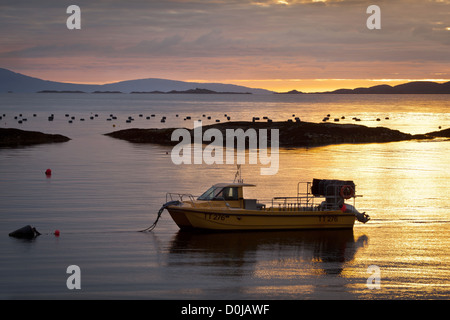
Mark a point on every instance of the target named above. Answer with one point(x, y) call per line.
point(103, 191)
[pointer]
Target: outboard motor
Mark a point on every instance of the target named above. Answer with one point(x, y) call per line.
point(361, 217)
point(335, 193)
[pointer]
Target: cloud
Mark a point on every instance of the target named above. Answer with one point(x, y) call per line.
point(207, 39)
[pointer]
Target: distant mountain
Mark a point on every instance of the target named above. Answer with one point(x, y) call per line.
point(16, 82)
point(415, 87)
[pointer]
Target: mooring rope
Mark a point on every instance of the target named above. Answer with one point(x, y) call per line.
point(165, 205)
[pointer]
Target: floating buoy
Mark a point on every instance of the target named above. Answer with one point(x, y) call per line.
point(27, 232)
point(48, 172)
point(56, 233)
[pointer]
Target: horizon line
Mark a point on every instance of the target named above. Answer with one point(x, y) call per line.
point(339, 82)
point(236, 82)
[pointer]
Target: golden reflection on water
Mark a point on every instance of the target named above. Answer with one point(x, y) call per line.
point(405, 189)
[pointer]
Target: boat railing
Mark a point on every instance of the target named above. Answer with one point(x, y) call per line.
point(299, 203)
point(181, 197)
point(187, 197)
point(307, 201)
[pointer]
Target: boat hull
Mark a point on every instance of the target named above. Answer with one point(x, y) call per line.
point(188, 218)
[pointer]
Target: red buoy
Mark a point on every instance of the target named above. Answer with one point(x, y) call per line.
point(56, 233)
point(48, 172)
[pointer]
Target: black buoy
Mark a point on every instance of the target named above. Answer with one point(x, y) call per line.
point(27, 232)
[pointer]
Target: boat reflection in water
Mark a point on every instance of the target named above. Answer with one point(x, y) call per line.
point(242, 253)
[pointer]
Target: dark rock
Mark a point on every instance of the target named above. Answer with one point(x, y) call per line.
point(291, 134)
point(16, 137)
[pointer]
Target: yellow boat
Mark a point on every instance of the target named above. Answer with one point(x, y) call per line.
point(224, 208)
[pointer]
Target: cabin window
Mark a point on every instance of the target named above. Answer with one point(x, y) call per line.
point(227, 193)
point(210, 194)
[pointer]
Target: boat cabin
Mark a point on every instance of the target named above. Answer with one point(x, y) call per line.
point(231, 195)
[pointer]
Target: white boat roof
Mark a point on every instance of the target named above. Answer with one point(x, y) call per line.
point(237, 184)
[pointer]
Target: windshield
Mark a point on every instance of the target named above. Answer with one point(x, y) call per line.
point(219, 193)
point(210, 194)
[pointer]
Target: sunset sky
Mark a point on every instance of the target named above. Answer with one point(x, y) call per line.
point(308, 45)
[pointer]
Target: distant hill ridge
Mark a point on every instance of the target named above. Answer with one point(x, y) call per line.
point(15, 82)
point(414, 87)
